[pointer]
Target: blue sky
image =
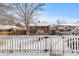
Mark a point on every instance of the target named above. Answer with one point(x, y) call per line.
point(69, 12)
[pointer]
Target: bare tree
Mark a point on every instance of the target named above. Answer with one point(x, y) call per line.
point(24, 12)
point(58, 22)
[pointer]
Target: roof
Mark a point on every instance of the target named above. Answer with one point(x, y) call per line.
point(8, 26)
point(36, 24)
point(40, 24)
point(69, 24)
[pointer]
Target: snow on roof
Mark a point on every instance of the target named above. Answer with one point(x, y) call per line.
point(36, 24)
point(7, 26)
point(69, 24)
point(39, 24)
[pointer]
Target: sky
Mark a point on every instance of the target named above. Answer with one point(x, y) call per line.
point(69, 12)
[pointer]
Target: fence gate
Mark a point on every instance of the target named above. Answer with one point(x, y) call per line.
point(56, 47)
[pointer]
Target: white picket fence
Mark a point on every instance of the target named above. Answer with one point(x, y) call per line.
point(23, 42)
point(55, 45)
point(71, 44)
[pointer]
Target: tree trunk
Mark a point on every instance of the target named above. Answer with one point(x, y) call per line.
point(27, 28)
point(27, 31)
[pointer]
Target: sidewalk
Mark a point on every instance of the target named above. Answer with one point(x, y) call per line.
point(24, 54)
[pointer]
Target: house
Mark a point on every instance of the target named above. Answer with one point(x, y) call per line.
point(67, 29)
point(39, 28)
point(10, 30)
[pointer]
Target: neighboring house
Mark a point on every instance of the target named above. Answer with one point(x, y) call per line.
point(75, 31)
point(8, 27)
point(10, 30)
point(66, 29)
